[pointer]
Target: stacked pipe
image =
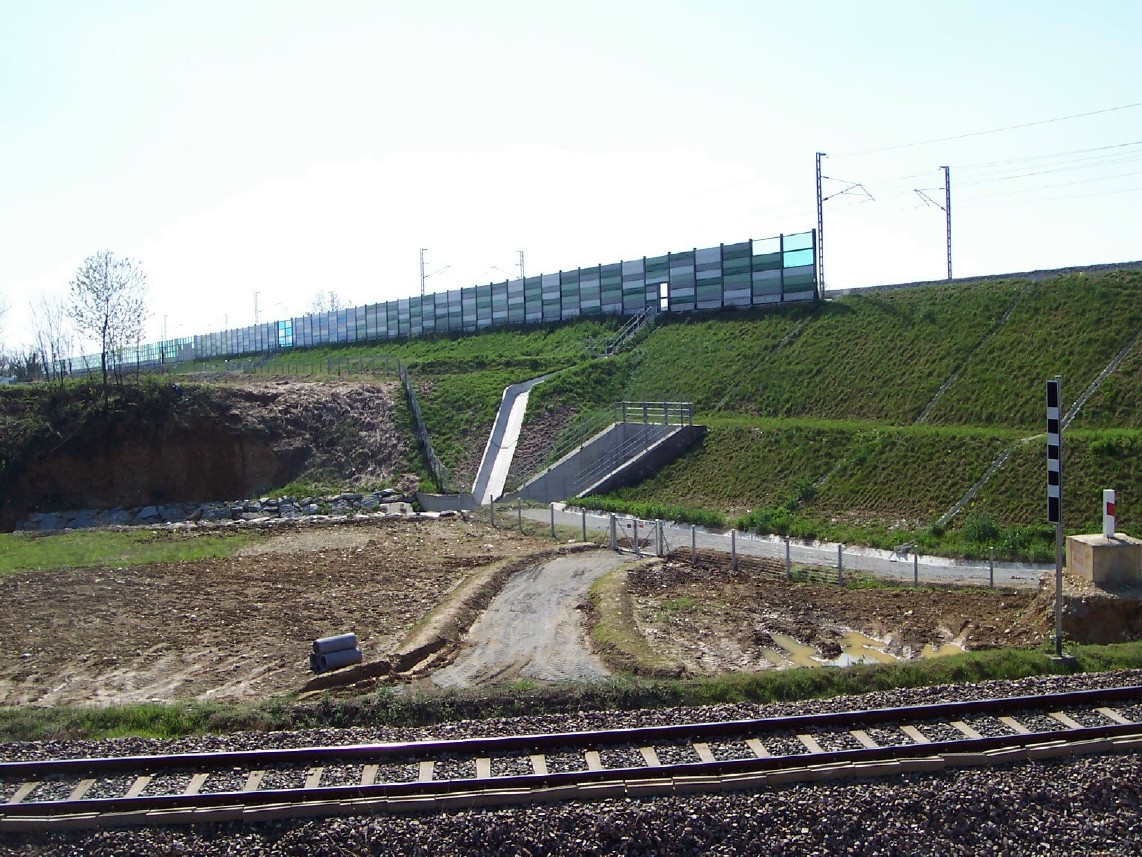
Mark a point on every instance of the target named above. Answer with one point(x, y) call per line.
point(331, 653)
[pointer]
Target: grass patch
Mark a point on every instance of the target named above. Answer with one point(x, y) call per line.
point(615, 634)
point(652, 511)
point(106, 548)
point(390, 707)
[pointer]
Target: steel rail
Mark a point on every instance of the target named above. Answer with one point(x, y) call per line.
point(592, 782)
point(89, 812)
point(503, 745)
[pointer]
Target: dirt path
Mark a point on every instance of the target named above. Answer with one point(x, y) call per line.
point(533, 628)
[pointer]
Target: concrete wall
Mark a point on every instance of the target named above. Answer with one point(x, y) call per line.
point(650, 463)
point(445, 502)
point(561, 480)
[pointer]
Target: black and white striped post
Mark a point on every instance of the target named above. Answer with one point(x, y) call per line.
point(1055, 494)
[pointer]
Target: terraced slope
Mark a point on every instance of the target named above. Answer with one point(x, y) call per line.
point(823, 443)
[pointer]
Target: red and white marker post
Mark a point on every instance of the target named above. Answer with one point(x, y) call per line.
point(1108, 511)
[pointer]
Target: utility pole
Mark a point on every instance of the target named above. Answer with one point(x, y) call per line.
point(520, 264)
point(946, 208)
point(948, 214)
point(820, 231)
point(821, 200)
point(255, 307)
point(424, 276)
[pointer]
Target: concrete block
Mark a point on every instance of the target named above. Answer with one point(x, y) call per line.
point(1114, 563)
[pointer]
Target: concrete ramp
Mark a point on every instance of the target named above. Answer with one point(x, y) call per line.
point(500, 449)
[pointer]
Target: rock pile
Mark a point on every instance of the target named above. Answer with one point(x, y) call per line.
point(384, 501)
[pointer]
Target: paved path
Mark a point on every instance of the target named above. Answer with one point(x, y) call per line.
point(881, 563)
point(533, 629)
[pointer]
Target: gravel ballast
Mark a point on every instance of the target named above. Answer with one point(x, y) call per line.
point(1079, 806)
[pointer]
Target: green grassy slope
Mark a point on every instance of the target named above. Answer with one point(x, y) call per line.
point(1118, 402)
point(880, 356)
point(850, 378)
point(1071, 326)
point(1092, 461)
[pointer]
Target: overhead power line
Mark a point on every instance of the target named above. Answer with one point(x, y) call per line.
point(1048, 155)
point(993, 130)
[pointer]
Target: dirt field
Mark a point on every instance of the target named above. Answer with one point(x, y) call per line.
point(236, 628)
point(241, 628)
point(710, 619)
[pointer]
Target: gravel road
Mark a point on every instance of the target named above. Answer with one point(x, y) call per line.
point(533, 628)
point(881, 563)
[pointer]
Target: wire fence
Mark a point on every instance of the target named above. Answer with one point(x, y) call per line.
point(765, 556)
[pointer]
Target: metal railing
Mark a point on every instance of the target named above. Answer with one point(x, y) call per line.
point(632, 326)
point(627, 451)
point(439, 471)
point(657, 413)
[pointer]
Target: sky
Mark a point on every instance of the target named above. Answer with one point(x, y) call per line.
point(257, 152)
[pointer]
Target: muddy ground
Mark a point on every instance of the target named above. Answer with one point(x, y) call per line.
point(241, 628)
point(710, 619)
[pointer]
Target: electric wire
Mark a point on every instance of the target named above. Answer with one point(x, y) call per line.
point(991, 130)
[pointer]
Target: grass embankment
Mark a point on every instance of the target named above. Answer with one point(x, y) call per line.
point(390, 707)
point(882, 485)
point(822, 444)
point(1072, 326)
point(866, 357)
point(1118, 401)
point(112, 549)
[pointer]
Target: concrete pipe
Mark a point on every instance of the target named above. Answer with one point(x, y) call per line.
point(338, 659)
point(334, 644)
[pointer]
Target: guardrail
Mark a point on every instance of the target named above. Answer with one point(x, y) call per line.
point(659, 413)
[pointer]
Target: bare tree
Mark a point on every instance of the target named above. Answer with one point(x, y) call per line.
point(324, 302)
point(53, 335)
point(108, 304)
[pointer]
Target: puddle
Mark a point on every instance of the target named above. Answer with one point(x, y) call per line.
point(797, 653)
point(856, 648)
point(933, 651)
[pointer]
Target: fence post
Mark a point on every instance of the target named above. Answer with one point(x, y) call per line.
point(657, 537)
point(991, 567)
point(915, 568)
point(693, 545)
point(840, 565)
point(788, 564)
point(734, 549)
point(492, 512)
point(665, 411)
point(644, 418)
point(614, 537)
point(584, 514)
point(519, 512)
point(634, 536)
point(552, 520)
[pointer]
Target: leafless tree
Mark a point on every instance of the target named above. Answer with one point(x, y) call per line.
point(108, 304)
point(53, 335)
point(324, 302)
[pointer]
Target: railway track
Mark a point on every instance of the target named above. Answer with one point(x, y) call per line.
point(261, 785)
